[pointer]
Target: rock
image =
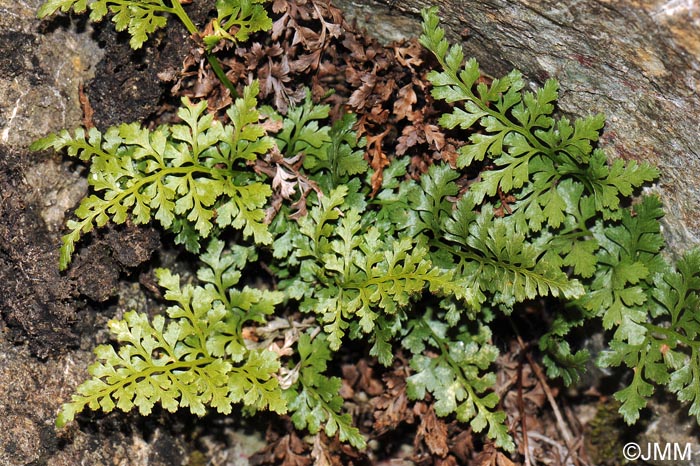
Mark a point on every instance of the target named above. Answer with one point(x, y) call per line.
point(41, 68)
point(671, 437)
point(31, 393)
point(40, 73)
point(42, 65)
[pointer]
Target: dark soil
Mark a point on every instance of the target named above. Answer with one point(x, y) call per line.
point(47, 316)
point(36, 300)
point(40, 305)
point(128, 88)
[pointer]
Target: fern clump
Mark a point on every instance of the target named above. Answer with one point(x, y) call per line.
point(422, 265)
point(569, 218)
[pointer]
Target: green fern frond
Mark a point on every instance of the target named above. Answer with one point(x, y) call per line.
point(240, 18)
point(490, 255)
point(50, 7)
point(353, 275)
point(626, 266)
point(666, 350)
point(301, 131)
point(530, 150)
point(140, 18)
point(220, 273)
point(457, 376)
point(195, 171)
point(194, 358)
point(314, 398)
point(332, 153)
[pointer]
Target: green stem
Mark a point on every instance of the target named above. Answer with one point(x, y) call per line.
point(671, 334)
point(180, 12)
point(216, 66)
point(213, 61)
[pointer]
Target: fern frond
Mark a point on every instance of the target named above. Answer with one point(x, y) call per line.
point(240, 18)
point(194, 358)
point(530, 150)
point(457, 376)
point(313, 398)
point(220, 273)
point(50, 7)
point(666, 351)
point(490, 255)
point(194, 171)
point(140, 18)
point(354, 275)
point(630, 258)
point(302, 131)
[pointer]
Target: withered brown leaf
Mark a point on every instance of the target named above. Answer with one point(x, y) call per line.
point(410, 54)
point(433, 432)
point(403, 106)
point(434, 136)
point(377, 159)
point(391, 407)
point(358, 99)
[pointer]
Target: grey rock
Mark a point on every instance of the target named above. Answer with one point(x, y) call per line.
point(40, 73)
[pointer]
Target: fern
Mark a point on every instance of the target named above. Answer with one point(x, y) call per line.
point(186, 172)
point(348, 272)
point(332, 154)
point(236, 20)
point(194, 358)
point(532, 152)
point(568, 214)
point(630, 258)
point(657, 329)
point(489, 253)
point(242, 16)
point(141, 18)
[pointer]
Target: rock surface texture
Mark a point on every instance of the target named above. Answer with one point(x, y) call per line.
point(50, 321)
point(41, 68)
point(636, 61)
